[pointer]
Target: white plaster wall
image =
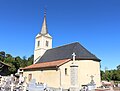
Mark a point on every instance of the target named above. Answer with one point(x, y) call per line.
point(86, 69)
point(57, 78)
point(51, 77)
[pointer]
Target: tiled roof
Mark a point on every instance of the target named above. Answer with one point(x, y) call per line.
point(47, 64)
point(65, 52)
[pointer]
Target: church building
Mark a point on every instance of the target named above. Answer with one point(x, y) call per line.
point(53, 65)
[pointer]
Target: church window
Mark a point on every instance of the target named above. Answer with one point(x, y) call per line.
point(38, 43)
point(29, 77)
point(65, 71)
point(47, 43)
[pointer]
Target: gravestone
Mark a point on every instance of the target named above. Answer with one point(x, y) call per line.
point(32, 86)
point(7, 84)
point(12, 82)
point(91, 85)
point(24, 84)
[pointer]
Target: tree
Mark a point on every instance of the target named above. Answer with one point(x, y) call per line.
point(2, 55)
point(12, 69)
point(102, 75)
point(18, 61)
point(30, 60)
point(108, 75)
point(24, 62)
point(118, 67)
point(15, 62)
point(8, 55)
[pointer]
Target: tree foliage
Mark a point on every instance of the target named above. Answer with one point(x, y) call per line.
point(2, 55)
point(118, 67)
point(15, 62)
point(111, 75)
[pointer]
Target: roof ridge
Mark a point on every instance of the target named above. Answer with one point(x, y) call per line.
point(87, 50)
point(55, 60)
point(74, 48)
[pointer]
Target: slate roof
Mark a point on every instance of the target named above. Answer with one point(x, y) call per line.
point(47, 64)
point(66, 51)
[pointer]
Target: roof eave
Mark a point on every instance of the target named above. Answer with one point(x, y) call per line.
point(40, 68)
point(95, 59)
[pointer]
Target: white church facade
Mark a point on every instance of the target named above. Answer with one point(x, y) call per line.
point(53, 65)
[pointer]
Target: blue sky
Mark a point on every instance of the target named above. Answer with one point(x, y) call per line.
point(93, 23)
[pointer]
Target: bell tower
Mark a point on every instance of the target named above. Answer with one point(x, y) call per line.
point(43, 41)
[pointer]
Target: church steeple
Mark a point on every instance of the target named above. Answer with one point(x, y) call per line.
point(43, 41)
point(44, 29)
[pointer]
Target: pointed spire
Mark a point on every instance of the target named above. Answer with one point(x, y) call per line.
point(44, 29)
